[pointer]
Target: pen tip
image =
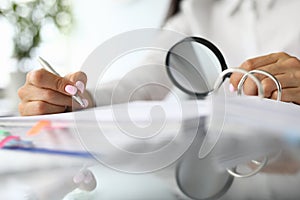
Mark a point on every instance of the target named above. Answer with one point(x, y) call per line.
point(40, 58)
point(42, 61)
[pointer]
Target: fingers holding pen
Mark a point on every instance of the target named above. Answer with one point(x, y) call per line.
point(31, 93)
point(80, 80)
point(73, 84)
point(43, 79)
point(51, 93)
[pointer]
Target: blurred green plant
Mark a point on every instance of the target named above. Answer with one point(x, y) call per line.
point(28, 17)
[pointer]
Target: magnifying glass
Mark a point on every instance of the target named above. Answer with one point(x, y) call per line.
point(194, 65)
point(197, 67)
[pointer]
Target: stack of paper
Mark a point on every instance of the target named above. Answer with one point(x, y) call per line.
point(242, 127)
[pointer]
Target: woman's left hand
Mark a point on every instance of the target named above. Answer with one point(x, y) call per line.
point(284, 164)
point(284, 67)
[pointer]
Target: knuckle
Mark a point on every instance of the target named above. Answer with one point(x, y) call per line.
point(49, 95)
point(235, 78)
point(250, 88)
point(282, 54)
point(259, 76)
point(21, 92)
point(293, 61)
point(274, 95)
point(36, 76)
point(59, 84)
point(28, 75)
point(273, 55)
point(248, 65)
point(40, 107)
point(79, 76)
point(297, 75)
point(84, 76)
point(292, 76)
point(267, 86)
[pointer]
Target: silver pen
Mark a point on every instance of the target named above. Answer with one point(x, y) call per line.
point(48, 67)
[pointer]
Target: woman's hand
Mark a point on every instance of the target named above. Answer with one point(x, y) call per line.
point(46, 93)
point(284, 164)
point(284, 67)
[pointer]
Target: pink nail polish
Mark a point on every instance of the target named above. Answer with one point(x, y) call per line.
point(78, 178)
point(85, 102)
point(231, 88)
point(80, 86)
point(71, 89)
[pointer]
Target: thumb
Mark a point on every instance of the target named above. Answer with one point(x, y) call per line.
point(79, 79)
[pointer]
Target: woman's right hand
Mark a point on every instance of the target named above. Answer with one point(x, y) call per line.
point(284, 67)
point(46, 93)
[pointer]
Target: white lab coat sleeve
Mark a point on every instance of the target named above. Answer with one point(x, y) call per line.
point(149, 81)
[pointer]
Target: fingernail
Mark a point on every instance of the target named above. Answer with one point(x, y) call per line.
point(80, 86)
point(88, 178)
point(71, 89)
point(78, 178)
point(85, 103)
point(231, 88)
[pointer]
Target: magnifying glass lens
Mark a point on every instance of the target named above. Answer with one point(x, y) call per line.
point(194, 64)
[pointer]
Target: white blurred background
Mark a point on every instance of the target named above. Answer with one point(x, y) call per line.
point(95, 21)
